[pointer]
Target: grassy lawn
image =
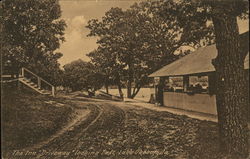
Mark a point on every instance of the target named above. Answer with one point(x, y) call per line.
point(27, 118)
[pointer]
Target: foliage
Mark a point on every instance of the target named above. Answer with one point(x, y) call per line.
point(129, 34)
point(80, 75)
point(112, 72)
point(49, 68)
point(231, 93)
point(31, 32)
point(135, 42)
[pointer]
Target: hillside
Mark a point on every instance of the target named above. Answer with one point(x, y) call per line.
point(28, 118)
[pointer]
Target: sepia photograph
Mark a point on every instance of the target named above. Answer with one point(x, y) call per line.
point(125, 79)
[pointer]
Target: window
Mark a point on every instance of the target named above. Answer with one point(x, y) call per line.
point(198, 84)
point(188, 84)
point(174, 84)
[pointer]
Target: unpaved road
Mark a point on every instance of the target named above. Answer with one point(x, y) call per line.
point(116, 130)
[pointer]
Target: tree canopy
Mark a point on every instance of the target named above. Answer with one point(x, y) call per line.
point(231, 94)
point(147, 36)
point(31, 32)
point(137, 41)
point(81, 75)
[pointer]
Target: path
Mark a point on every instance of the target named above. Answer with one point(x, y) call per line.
point(192, 114)
point(119, 130)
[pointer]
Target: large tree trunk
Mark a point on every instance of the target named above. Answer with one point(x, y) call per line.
point(135, 91)
point(119, 85)
point(106, 84)
point(129, 88)
point(231, 96)
point(120, 91)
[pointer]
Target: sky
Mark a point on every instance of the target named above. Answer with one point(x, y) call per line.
point(76, 13)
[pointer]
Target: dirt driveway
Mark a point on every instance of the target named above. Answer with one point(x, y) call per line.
point(119, 130)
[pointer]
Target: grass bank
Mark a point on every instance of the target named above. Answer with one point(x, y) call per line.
point(28, 118)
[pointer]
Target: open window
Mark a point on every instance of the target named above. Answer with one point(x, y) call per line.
point(187, 84)
point(198, 84)
point(174, 84)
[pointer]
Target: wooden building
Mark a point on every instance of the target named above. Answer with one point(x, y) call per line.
point(175, 85)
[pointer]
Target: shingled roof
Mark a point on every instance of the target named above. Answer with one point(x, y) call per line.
point(196, 62)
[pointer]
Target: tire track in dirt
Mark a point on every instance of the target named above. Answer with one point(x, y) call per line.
point(101, 115)
point(63, 138)
point(82, 115)
point(95, 113)
point(109, 118)
point(78, 131)
point(108, 111)
point(108, 126)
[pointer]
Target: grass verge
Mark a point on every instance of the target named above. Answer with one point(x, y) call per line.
point(27, 118)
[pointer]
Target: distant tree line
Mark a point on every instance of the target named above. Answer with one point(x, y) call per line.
point(81, 75)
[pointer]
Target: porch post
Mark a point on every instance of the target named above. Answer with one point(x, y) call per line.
point(185, 82)
point(156, 83)
point(211, 83)
point(160, 90)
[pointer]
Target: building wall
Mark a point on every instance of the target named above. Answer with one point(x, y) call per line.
point(204, 103)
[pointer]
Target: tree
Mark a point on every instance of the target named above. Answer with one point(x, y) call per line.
point(49, 68)
point(106, 64)
point(229, 65)
point(139, 41)
point(231, 94)
point(31, 32)
point(80, 75)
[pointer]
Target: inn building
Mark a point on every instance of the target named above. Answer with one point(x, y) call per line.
point(189, 82)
